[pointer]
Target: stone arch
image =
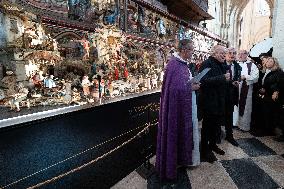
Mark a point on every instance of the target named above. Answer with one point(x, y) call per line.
point(66, 44)
point(244, 3)
point(239, 6)
point(260, 35)
point(71, 34)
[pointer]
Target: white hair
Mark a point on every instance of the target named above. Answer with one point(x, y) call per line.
point(215, 49)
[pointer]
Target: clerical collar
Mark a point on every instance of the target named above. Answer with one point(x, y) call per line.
point(229, 63)
point(175, 54)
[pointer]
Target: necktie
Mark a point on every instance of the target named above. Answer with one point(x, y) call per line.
point(230, 71)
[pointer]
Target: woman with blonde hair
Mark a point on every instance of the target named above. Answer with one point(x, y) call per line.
point(271, 64)
point(269, 83)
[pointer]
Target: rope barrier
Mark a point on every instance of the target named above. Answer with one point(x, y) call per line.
point(69, 158)
point(90, 162)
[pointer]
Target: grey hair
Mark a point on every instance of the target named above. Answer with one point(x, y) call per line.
point(184, 44)
point(245, 51)
point(215, 49)
point(231, 49)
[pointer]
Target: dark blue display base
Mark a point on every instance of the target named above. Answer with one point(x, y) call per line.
point(26, 149)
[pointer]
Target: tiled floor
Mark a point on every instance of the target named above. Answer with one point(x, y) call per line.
point(257, 164)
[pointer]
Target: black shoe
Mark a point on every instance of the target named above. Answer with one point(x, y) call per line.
point(208, 157)
point(218, 141)
point(218, 150)
point(232, 141)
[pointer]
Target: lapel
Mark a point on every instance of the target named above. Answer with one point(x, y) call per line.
point(269, 77)
point(237, 71)
point(220, 67)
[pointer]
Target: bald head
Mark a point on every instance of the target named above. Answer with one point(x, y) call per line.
point(218, 52)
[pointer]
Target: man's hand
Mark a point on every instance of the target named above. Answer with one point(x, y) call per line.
point(195, 86)
point(275, 95)
point(227, 76)
point(236, 83)
point(262, 91)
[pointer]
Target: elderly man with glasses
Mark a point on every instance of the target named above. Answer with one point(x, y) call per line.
point(232, 92)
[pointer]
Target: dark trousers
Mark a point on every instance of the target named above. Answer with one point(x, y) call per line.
point(229, 124)
point(268, 118)
point(281, 118)
point(210, 127)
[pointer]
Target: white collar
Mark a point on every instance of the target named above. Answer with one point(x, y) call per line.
point(267, 71)
point(175, 54)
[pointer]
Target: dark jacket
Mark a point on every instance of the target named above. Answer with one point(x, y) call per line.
point(281, 101)
point(281, 90)
point(232, 92)
point(193, 69)
point(213, 88)
point(268, 112)
point(271, 83)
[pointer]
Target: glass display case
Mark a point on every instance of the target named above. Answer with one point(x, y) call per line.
point(57, 53)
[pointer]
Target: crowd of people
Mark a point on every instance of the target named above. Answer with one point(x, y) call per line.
point(237, 93)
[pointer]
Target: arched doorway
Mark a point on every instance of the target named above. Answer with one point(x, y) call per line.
point(67, 44)
point(254, 24)
point(228, 17)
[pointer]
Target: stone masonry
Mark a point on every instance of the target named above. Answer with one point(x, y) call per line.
point(278, 29)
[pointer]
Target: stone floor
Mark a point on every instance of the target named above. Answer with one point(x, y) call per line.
point(257, 164)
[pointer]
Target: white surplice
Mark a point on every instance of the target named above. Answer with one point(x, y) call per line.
point(244, 121)
point(195, 151)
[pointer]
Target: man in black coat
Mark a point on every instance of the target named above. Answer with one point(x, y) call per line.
point(213, 102)
point(232, 92)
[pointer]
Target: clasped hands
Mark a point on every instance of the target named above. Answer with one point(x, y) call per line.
point(228, 78)
point(274, 95)
point(195, 85)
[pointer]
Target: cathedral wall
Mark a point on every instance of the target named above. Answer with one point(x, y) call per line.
point(278, 37)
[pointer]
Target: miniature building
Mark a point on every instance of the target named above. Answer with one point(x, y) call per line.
point(115, 42)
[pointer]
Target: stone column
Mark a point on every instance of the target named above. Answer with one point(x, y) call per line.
point(278, 29)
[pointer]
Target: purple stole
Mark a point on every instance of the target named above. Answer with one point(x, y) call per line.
point(244, 93)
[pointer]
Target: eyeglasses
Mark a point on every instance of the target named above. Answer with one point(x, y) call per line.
point(221, 53)
point(232, 53)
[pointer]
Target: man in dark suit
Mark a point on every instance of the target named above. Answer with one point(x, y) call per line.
point(213, 102)
point(232, 92)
